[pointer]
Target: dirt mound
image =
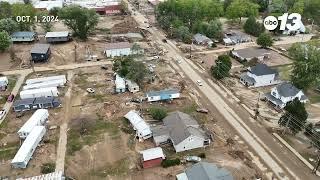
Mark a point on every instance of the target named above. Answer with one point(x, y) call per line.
point(126, 26)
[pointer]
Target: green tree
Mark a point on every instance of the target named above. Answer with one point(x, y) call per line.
point(222, 67)
point(183, 33)
point(277, 7)
point(46, 26)
point(54, 11)
point(5, 10)
point(253, 27)
point(47, 168)
point(263, 5)
point(242, 8)
point(214, 29)
point(20, 9)
point(265, 40)
point(295, 116)
point(158, 113)
point(80, 20)
point(306, 71)
point(4, 40)
point(8, 25)
point(312, 10)
point(298, 7)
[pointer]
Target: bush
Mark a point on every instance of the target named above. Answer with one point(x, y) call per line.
point(202, 155)
point(170, 162)
point(158, 113)
point(48, 168)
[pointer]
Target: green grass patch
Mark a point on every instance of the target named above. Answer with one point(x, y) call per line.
point(12, 82)
point(8, 152)
point(91, 134)
point(313, 95)
point(285, 72)
point(97, 97)
point(48, 167)
point(117, 168)
point(190, 108)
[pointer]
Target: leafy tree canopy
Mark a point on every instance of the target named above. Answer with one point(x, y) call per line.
point(222, 67)
point(265, 40)
point(5, 10)
point(20, 9)
point(242, 8)
point(8, 25)
point(4, 40)
point(253, 27)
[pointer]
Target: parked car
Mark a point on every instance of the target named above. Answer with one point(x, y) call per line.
point(202, 110)
point(2, 113)
point(90, 90)
point(199, 82)
point(194, 159)
point(10, 98)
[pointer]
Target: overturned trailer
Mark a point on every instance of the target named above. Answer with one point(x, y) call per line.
point(24, 154)
point(38, 118)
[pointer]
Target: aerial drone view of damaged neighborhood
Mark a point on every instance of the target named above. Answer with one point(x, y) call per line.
point(159, 89)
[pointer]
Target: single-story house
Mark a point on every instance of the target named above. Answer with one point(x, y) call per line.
point(142, 129)
point(248, 54)
point(3, 83)
point(260, 75)
point(201, 39)
point(24, 36)
point(60, 36)
point(284, 93)
point(40, 52)
point(236, 37)
point(167, 94)
point(48, 5)
point(182, 131)
point(152, 157)
point(35, 103)
point(118, 49)
point(132, 86)
point(204, 171)
point(120, 84)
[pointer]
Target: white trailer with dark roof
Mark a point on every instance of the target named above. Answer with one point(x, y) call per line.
point(61, 36)
point(38, 118)
point(42, 92)
point(24, 154)
point(46, 79)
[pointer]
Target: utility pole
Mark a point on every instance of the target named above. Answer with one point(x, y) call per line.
point(287, 124)
point(75, 53)
point(32, 65)
point(315, 169)
point(257, 107)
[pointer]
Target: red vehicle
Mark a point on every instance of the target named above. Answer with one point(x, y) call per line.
point(10, 98)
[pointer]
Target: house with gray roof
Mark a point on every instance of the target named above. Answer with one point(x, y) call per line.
point(235, 37)
point(248, 54)
point(260, 75)
point(182, 131)
point(35, 103)
point(205, 171)
point(284, 93)
point(201, 39)
point(40, 52)
point(59, 36)
point(24, 36)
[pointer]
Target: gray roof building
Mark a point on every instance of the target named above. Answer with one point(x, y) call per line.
point(262, 69)
point(40, 48)
point(250, 53)
point(205, 171)
point(202, 39)
point(118, 45)
point(21, 34)
point(35, 103)
point(287, 89)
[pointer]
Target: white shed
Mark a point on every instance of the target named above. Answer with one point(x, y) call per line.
point(132, 86)
point(118, 49)
point(45, 84)
point(120, 84)
point(142, 128)
point(28, 147)
point(3, 83)
point(37, 119)
point(42, 92)
point(45, 79)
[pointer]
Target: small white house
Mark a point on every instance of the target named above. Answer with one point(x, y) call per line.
point(3, 83)
point(284, 93)
point(167, 94)
point(42, 92)
point(142, 129)
point(46, 84)
point(259, 75)
point(120, 84)
point(28, 147)
point(132, 86)
point(118, 49)
point(46, 79)
point(38, 118)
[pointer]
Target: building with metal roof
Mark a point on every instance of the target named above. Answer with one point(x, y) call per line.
point(183, 131)
point(201, 39)
point(3, 83)
point(25, 152)
point(35, 103)
point(142, 129)
point(58, 36)
point(120, 84)
point(167, 94)
point(40, 52)
point(260, 75)
point(205, 171)
point(132, 86)
point(46, 79)
point(118, 49)
point(24, 36)
point(48, 5)
point(248, 54)
point(38, 118)
point(285, 93)
point(152, 157)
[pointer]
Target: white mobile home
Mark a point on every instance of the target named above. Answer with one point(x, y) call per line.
point(132, 86)
point(167, 94)
point(3, 83)
point(42, 92)
point(118, 49)
point(120, 84)
point(28, 147)
point(62, 36)
point(46, 84)
point(139, 125)
point(45, 79)
point(38, 118)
